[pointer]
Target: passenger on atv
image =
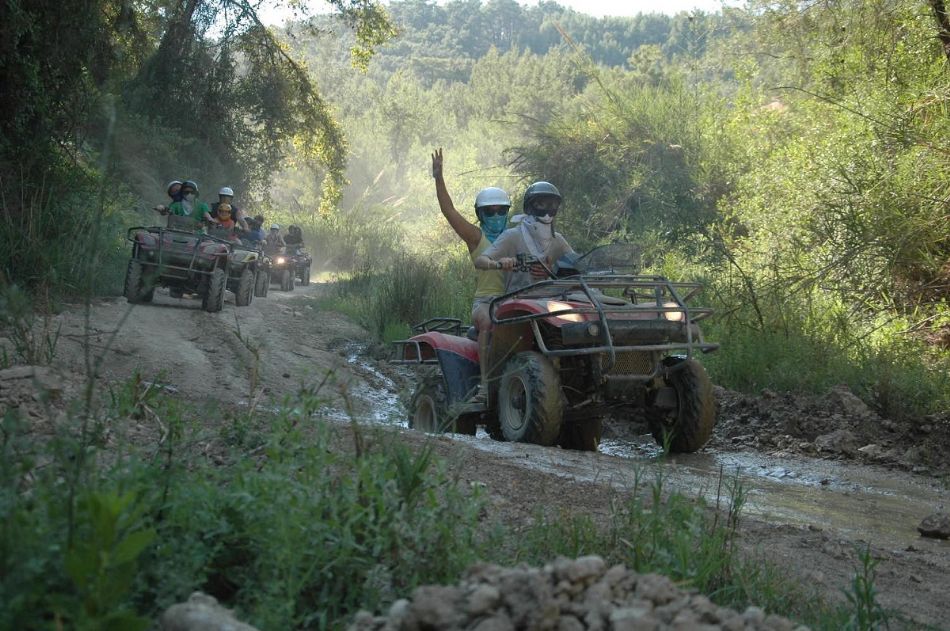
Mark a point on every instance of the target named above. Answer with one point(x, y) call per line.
point(491, 210)
point(226, 196)
point(293, 239)
point(189, 205)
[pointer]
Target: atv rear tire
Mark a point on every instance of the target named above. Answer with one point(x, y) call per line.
point(582, 435)
point(305, 276)
point(286, 280)
point(529, 400)
point(245, 289)
point(261, 283)
point(687, 428)
point(428, 407)
point(214, 300)
point(138, 288)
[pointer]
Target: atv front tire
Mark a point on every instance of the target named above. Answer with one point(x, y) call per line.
point(261, 283)
point(138, 288)
point(687, 428)
point(214, 300)
point(286, 280)
point(428, 407)
point(529, 400)
point(245, 289)
point(305, 276)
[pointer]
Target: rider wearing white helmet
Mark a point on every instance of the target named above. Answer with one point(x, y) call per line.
point(273, 241)
point(491, 210)
point(226, 196)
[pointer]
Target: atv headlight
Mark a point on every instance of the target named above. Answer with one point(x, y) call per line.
point(281, 260)
point(557, 305)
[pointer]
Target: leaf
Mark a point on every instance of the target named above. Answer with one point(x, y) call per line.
point(130, 548)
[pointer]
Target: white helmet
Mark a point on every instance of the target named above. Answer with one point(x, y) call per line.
point(491, 196)
point(171, 184)
point(275, 226)
point(226, 191)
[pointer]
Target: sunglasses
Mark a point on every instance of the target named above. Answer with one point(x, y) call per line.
point(491, 211)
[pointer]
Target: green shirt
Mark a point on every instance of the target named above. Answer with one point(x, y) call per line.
point(488, 282)
point(198, 210)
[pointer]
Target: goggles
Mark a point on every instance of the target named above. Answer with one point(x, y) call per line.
point(491, 211)
point(546, 205)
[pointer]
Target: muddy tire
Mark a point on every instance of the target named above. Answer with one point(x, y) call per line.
point(245, 289)
point(214, 300)
point(583, 435)
point(261, 283)
point(138, 288)
point(428, 406)
point(305, 276)
point(286, 280)
point(176, 292)
point(529, 400)
point(689, 427)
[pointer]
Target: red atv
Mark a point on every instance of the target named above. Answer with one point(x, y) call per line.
point(596, 339)
point(179, 258)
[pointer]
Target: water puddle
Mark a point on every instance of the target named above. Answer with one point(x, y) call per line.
point(861, 501)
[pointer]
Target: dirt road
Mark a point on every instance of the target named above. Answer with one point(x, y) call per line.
point(809, 514)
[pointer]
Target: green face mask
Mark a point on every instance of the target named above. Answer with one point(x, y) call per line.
point(493, 226)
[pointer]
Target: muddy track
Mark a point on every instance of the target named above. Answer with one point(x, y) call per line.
point(808, 514)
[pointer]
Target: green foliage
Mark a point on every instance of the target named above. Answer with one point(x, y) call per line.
point(867, 613)
point(32, 344)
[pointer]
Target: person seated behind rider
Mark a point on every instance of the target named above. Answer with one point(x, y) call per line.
point(173, 190)
point(190, 205)
point(273, 241)
point(226, 196)
point(294, 238)
point(491, 210)
point(223, 216)
point(255, 232)
point(534, 237)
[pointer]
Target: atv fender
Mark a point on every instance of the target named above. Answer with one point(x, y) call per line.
point(457, 357)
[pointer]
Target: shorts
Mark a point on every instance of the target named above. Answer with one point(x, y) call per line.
point(480, 305)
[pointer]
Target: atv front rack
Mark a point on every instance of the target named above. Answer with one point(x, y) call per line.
point(161, 232)
point(650, 293)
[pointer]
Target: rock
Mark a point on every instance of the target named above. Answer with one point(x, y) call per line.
point(201, 613)
point(586, 568)
point(936, 526)
point(846, 402)
point(840, 441)
point(484, 599)
point(433, 606)
point(873, 450)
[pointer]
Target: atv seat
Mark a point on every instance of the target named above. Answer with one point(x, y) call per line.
point(472, 333)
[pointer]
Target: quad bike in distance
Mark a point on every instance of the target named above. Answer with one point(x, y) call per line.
point(283, 269)
point(302, 264)
point(180, 258)
point(596, 339)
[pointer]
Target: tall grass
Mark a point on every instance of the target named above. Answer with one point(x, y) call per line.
point(295, 529)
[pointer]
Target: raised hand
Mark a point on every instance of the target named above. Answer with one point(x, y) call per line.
point(437, 163)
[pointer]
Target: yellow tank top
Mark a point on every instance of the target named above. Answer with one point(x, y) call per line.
point(488, 282)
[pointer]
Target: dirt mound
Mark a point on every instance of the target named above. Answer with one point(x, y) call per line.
point(837, 425)
point(566, 594)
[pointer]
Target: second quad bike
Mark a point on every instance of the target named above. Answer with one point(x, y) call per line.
point(302, 263)
point(180, 258)
point(245, 268)
point(596, 339)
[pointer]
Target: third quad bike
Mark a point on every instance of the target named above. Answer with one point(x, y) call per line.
point(180, 258)
point(302, 263)
point(596, 338)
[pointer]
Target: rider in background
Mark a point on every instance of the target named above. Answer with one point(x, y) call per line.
point(173, 190)
point(491, 209)
point(534, 237)
point(294, 237)
point(255, 233)
point(226, 196)
point(190, 205)
point(273, 241)
point(223, 216)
